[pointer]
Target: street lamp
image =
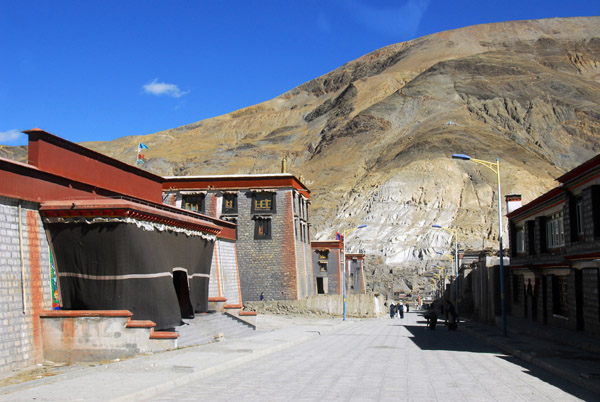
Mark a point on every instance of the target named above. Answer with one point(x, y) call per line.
point(494, 167)
point(344, 273)
point(455, 262)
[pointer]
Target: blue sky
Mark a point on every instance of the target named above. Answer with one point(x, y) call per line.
point(98, 70)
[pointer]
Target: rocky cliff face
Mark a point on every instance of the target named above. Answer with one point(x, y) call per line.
point(373, 138)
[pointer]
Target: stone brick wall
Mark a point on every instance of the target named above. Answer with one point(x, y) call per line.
point(261, 261)
point(515, 290)
point(279, 267)
point(230, 281)
point(215, 289)
point(332, 273)
point(20, 329)
point(569, 321)
point(591, 301)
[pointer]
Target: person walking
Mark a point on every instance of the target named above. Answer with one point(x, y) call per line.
point(452, 317)
point(400, 309)
point(392, 310)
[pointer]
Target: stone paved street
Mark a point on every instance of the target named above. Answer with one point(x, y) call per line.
point(383, 360)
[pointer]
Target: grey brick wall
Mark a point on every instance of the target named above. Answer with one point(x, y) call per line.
point(591, 301)
point(229, 271)
point(260, 261)
point(20, 340)
point(515, 286)
point(333, 270)
point(280, 266)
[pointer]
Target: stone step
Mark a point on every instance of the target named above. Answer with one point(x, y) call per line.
point(203, 328)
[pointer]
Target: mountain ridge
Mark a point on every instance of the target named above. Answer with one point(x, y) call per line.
point(373, 141)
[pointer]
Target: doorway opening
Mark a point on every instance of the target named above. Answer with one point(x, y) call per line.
point(182, 289)
point(320, 286)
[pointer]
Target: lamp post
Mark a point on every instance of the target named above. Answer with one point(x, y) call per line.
point(344, 261)
point(455, 262)
point(494, 167)
point(451, 258)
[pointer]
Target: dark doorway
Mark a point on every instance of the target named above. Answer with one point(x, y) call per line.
point(320, 287)
point(579, 299)
point(180, 281)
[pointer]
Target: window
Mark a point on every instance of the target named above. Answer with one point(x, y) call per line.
point(520, 239)
point(230, 204)
point(560, 301)
point(323, 266)
point(579, 217)
point(263, 202)
point(262, 229)
point(193, 203)
point(555, 234)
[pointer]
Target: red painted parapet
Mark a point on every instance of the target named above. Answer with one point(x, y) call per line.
point(109, 208)
point(71, 161)
point(85, 313)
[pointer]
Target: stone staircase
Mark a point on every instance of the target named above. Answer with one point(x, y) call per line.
point(212, 327)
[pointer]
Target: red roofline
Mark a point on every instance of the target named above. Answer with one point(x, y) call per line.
point(234, 182)
point(537, 202)
point(124, 208)
point(327, 244)
point(36, 134)
point(584, 167)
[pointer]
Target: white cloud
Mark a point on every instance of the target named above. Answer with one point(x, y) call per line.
point(10, 136)
point(162, 88)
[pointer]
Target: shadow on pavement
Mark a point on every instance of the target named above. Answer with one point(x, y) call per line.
point(461, 341)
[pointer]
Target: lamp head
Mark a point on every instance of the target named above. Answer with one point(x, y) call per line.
point(461, 156)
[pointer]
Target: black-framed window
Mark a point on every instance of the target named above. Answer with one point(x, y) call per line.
point(323, 266)
point(555, 234)
point(230, 203)
point(579, 218)
point(262, 229)
point(263, 202)
point(193, 202)
point(520, 239)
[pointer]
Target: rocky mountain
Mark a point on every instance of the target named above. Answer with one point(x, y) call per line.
point(373, 138)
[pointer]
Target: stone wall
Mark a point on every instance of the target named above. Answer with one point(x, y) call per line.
point(332, 274)
point(228, 269)
point(365, 306)
point(22, 298)
point(591, 301)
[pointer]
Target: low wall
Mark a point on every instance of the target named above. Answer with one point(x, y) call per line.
point(84, 336)
point(363, 306)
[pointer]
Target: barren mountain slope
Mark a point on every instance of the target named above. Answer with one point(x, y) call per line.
point(373, 143)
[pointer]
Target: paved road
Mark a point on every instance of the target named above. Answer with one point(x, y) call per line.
point(383, 360)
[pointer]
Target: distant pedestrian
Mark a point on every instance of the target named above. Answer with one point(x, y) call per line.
point(392, 309)
point(452, 318)
point(401, 309)
point(407, 307)
point(262, 296)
